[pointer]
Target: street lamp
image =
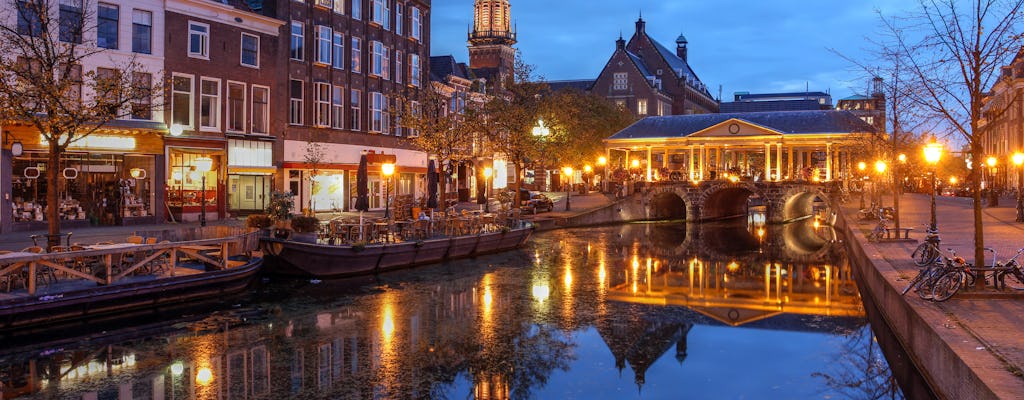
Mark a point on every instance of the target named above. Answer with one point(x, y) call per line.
point(932, 154)
point(387, 169)
point(993, 196)
point(568, 189)
point(1018, 160)
point(540, 130)
point(862, 166)
point(880, 168)
point(487, 187)
point(203, 165)
point(587, 169)
point(602, 162)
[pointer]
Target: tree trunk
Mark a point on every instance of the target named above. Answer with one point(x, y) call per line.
point(979, 234)
point(52, 200)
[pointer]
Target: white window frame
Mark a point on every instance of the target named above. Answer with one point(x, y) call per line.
point(326, 4)
point(204, 40)
point(227, 108)
point(300, 37)
point(641, 106)
point(620, 81)
point(414, 107)
point(399, 19)
point(339, 6)
point(417, 23)
point(324, 35)
point(398, 66)
point(414, 69)
point(215, 105)
point(191, 99)
point(321, 105)
point(252, 110)
point(338, 107)
point(295, 105)
point(357, 9)
point(376, 58)
point(241, 50)
point(356, 108)
point(138, 19)
point(386, 69)
point(377, 106)
point(338, 51)
point(356, 64)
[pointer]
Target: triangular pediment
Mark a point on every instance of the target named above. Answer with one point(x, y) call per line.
point(735, 128)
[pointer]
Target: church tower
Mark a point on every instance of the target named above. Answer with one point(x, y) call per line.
point(491, 55)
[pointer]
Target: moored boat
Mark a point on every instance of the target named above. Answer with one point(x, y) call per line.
point(308, 260)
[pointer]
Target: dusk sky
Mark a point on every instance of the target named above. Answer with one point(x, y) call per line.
point(742, 45)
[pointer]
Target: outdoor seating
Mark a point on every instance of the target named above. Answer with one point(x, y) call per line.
point(135, 239)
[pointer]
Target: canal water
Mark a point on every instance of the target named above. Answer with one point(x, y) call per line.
point(648, 311)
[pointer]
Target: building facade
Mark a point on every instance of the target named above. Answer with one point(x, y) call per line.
point(111, 177)
point(222, 72)
point(1002, 125)
point(762, 102)
point(870, 108)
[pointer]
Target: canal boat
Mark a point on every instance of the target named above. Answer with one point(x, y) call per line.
point(132, 290)
point(308, 260)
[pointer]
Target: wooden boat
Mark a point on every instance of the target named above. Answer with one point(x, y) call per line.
point(125, 294)
point(297, 259)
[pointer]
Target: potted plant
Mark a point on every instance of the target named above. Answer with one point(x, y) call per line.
point(261, 222)
point(280, 211)
point(305, 229)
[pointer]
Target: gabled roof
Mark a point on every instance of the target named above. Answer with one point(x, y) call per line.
point(442, 66)
point(582, 85)
point(639, 62)
point(785, 122)
point(680, 67)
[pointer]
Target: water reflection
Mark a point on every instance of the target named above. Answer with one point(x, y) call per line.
point(595, 313)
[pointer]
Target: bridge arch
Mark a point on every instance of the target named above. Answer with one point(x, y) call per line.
point(799, 201)
point(725, 199)
point(668, 205)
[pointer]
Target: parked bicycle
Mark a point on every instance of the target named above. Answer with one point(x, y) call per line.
point(878, 232)
point(938, 281)
point(927, 252)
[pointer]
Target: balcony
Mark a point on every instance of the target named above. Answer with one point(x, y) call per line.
point(492, 36)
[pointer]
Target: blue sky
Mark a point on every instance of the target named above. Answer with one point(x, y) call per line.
point(742, 45)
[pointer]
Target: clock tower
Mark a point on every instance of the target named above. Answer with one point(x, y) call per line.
point(491, 55)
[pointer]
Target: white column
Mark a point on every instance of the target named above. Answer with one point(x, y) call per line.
point(664, 161)
point(778, 162)
point(692, 173)
point(767, 161)
point(649, 176)
point(828, 162)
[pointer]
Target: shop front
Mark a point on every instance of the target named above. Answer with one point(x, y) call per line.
point(105, 178)
point(330, 185)
point(194, 179)
point(250, 175)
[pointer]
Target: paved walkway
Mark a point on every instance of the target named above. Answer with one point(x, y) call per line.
point(986, 328)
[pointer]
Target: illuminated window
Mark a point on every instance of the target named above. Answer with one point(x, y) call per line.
point(641, 106)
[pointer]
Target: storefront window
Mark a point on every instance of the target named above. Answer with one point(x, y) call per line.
point(328, 191)
point(101, 188)
point(185, 183)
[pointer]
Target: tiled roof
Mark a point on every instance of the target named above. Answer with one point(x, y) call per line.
point(442, 66)
point(579, 84)
point(639, 64)
point(680, 67)
point(786, 122)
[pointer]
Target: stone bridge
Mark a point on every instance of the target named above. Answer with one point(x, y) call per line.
point(719, 199)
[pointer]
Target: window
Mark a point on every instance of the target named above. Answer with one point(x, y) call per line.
point(323, 45)
point(381, 13)
point(322, 104)
point(296, 43)
point(71, 21)
point(339, 6)
point(198, 40)
point(338, 107)
point(323, 3)
point(377, 106)
point(357, 9)
point(74, 93)
point(620, 81)
point(250, 50)
point(414, 69)
point(209, 104)
point(398, 66)
point(377, 58)
point(356, 108)
point(417, 23)
point(142, 88)
point(386, 68)
point(338, 57)
point(357, 55)
point(30, 22)
point(181, 100)
point(108, 80)
point(236, 107)
point(106, 25)
point(399, 21)
point(641, 106)
point(260, 109)
point(295, 102)
point(142, 31)
point(414, 108)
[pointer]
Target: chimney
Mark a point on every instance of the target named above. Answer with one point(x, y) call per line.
point(640, 26)
point(681, 47)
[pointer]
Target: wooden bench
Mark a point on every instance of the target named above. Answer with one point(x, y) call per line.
point(905, 231)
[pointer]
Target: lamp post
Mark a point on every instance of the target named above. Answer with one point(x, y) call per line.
point(487, 188)
point(568, 189)
point(602, 162)
point(387, 169)
point(203, 165)
point(932, 154)
point(993, 196)
point(861, 166)
point(880, 168)
point(1018, 160)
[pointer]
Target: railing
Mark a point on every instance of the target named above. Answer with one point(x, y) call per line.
point(103, 270)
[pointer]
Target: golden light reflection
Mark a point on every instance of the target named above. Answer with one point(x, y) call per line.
point(488, 299)
point(568, 279)
point(541, 292)
point(204, 376)
point(177, 368)
point(387, 326)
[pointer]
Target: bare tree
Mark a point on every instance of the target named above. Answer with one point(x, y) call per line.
point(43, 45)
point(313, 157)
point(953, 51)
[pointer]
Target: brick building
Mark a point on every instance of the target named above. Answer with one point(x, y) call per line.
point(870, 108)
point(1003, 124)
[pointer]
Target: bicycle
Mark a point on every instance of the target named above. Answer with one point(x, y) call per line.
point(927, 252)
point(938, 281)
point(878, 232)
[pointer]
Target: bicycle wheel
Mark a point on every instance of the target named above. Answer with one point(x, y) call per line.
point(913, 282)
point(924, 288)
point(924, 254)
point(947, 285)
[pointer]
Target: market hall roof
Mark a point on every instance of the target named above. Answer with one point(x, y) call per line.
point(782, 122)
